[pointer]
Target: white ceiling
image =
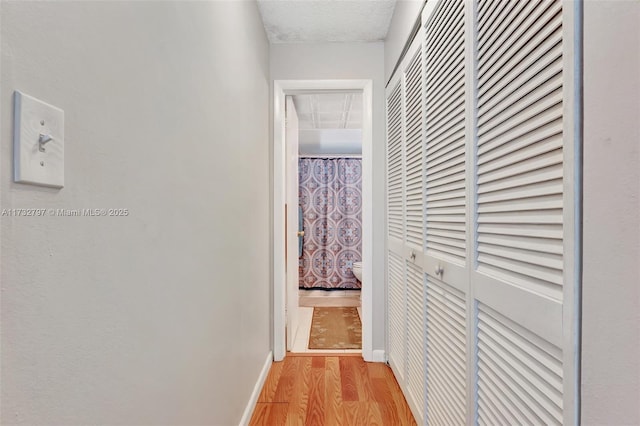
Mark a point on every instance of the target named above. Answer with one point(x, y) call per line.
point(329, 111)
point(300, 21)
point(329, 123)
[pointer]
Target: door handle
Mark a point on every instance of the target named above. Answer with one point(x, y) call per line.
point(439, 270)
point(300, 233)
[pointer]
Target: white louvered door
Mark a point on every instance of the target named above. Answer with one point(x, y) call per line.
point(481, 216)
point(413, 78)
point(396, 288)
point(405, 217)
point(445, 260)
point(524, 213)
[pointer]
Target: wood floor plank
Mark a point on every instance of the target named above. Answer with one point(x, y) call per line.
point(363, 383)
point(260, 414)
point(299, 399)
point(269, 414)
point(384, 398)
point(348, 380)
point(381, 391)
point(361, 413)
point(315, 407)
point(318, 362)
point(271, 383)
point(287, 380)
point(374, 415)
point(278, 415)
point(404, 412)
point(378, 370)
point(333, 392)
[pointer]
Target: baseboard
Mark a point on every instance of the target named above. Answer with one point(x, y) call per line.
point(379, 355)
point(251, 405)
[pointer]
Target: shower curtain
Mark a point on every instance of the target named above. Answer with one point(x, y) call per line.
point(331, 200)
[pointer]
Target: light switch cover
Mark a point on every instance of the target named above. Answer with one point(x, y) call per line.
point(38, 142)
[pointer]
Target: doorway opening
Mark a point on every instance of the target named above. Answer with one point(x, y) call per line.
point(328, 179)
point(322, 214)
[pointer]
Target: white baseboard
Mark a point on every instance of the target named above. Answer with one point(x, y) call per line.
point(379, 356)
point(251, 405)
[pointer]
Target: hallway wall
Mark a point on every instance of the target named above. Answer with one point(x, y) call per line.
point(163, 316)
point(404, 18)
point(611, 245)
point(350, 61)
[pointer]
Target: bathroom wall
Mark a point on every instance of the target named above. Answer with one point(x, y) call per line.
point(611, 244)
point(153, 318)
point(350, 61)
point(330, 142)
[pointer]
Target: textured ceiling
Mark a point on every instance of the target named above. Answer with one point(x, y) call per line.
point(329, 111)
point(300, 21)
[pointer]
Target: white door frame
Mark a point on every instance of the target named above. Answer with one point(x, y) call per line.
point(292, 187)
point(282, 88)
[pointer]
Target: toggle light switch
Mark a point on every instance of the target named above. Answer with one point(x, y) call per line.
point(38, 142)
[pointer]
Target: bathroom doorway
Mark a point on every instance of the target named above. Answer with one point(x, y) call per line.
point(326, 233)
point(328, 182)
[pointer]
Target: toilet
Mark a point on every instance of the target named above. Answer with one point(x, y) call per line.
point(357, 270)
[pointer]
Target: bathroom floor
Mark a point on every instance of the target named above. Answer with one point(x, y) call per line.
point(301, 342)
point(311, 298)
point(335, 298)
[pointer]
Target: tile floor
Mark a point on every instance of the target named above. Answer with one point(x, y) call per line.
point(337, 298)
point(301, 341)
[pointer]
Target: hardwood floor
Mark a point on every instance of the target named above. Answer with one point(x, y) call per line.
point(330, 390)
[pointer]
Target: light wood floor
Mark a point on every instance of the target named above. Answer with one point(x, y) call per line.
point(330, 390)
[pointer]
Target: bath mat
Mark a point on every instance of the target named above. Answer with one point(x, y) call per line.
point(335, 328)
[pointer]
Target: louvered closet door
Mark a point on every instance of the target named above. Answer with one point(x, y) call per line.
point(405, 193)
point(524, 214)
point(413, 80)
point(445, 259)
point(396, 289)
point(495, 283)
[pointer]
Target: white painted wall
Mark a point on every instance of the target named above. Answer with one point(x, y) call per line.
point(404, 17)
point(350, 61)
point(330, 141)
point(161, 317)
point(611, 280)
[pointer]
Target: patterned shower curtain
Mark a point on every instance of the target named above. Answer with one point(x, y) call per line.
point(331, 201)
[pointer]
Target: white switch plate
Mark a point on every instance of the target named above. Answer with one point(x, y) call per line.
point(32, 119)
